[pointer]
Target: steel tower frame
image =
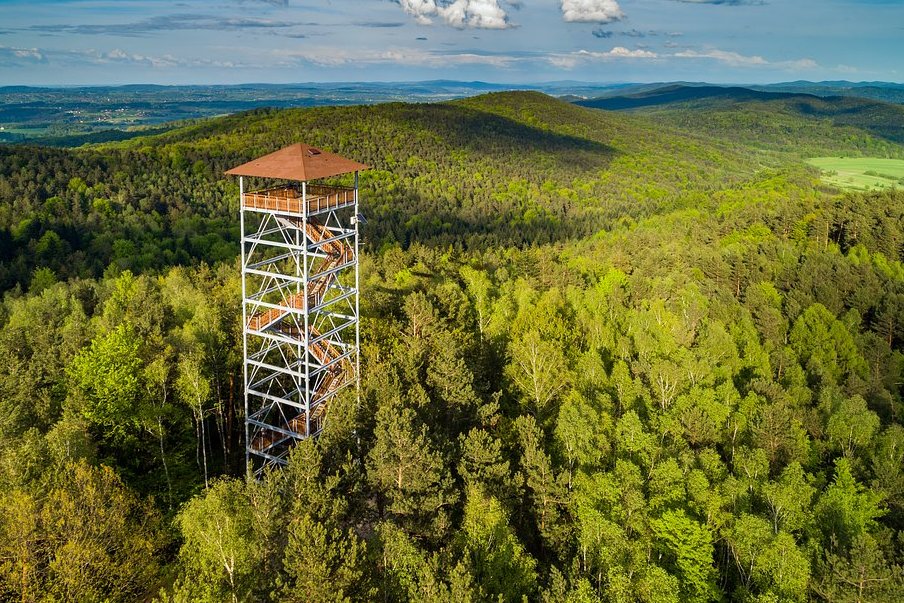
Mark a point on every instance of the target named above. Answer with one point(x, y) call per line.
point(300, 311)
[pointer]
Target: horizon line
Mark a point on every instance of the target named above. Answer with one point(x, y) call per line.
point(451, 81)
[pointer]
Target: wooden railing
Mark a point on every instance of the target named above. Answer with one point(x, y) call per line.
point(333, 378)
point(268, 437)
point(289, 199)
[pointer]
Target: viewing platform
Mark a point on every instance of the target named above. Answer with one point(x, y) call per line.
point(315, 199)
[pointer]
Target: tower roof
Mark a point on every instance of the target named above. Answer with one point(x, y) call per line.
point(298, 162)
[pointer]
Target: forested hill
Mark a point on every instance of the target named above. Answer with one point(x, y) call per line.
point(792, 122)
point(501, 169)
point(606, 359)
point(684, 94)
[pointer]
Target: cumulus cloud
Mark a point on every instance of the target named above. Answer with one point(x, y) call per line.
point(591, 11)
point(118, 55)
point(480, 14)
point(622, 52)
point(21, 55)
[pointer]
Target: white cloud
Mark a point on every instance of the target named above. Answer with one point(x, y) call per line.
point(480, 14)
point(724, 56)
point(22, 55)
point(166, 60)
point(591, 11)
point(29, 53)
point(571, 60)
point(421, 10)
point(567, 61)
point(622, 52)
point(118, 55)
point(800, 64)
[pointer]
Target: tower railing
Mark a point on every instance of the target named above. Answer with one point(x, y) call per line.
point(290, 199)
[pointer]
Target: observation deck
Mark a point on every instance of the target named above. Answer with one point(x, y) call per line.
point(311, 199)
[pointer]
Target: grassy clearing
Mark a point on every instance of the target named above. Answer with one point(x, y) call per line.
point(860, 173)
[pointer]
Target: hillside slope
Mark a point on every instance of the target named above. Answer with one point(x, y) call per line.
point(798, 123)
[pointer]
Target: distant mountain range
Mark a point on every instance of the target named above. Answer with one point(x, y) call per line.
point(678, 93)
point(70, 116)
point(758, 115)
point(885, 91)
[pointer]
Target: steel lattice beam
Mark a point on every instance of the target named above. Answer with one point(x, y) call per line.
point(300, 314)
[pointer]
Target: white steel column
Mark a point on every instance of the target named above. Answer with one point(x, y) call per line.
point(244, 323)
point(306, 337)
point(357, 299)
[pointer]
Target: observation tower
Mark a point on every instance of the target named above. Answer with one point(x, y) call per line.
point(300, 302)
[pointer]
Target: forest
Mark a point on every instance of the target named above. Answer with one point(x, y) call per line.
point(606, 358)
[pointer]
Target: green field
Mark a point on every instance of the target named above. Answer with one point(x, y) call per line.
point(860, 173)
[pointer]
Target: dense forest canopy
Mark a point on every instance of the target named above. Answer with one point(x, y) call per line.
point(604, 360)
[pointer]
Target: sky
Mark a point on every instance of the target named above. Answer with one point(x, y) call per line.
point(105, 42)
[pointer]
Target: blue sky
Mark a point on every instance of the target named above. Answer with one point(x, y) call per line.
point(511, 41)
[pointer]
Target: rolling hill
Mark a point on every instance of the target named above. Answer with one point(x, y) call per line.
point(679, 93)
point(889, 92)
point(803, 124)
point(505, 168)
point(60, 116)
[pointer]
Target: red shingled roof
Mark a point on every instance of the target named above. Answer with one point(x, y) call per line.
point(298, 162)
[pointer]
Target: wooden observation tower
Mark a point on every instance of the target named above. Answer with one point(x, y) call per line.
point(300, 301)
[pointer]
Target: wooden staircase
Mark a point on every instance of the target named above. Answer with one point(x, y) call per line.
point(338, 253)
point(333, 378)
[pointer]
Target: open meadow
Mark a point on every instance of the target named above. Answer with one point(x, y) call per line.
point(860, 173)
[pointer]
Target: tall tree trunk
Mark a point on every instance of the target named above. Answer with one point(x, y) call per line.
point(169, 483)
point(203, 440)
point(221, 423)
